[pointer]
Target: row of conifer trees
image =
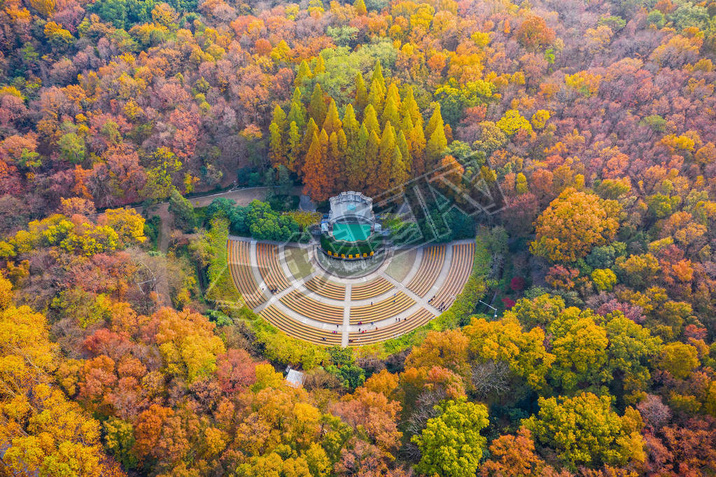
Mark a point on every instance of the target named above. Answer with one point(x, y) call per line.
point(378, 144)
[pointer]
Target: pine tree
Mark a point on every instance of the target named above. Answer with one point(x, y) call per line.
point(320, 66)
point(361, 99)
point(294, 148)
point(317, 106)
point(350, 124)
point(435, 148)
point(448, 133)
point(343, 149)
point(279, 117)
point(394, 93)
point(356, 164)
point(377, 89)
point(311, 129)
point(314, 177)
point(335, 161)
point(342, 141)
point(332, 122)
point(277, 132)
point(406, 123)
point(304, 73)
point(376, 98)
point(297, 113)
point(402, 143)
point(385, 157)
point(360, 7)
point(297, 95)
point(370, 119)
point(398, 173)
point(377, 78)
point(372, 149)
point(323, 138)
point(416, 142)
point(390, 112)
point(410, 107)
point(435, 122)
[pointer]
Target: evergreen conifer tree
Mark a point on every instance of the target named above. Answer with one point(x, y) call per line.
point(294, 148)
point(416, 143)
point(370, 119)
point(314, 172)
point(304, 73)
point(277, 133)
point(297, 113)
point(360, 7)
point(317, 105)
point(332, 123)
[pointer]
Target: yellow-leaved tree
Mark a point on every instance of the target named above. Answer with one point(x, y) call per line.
point(573, 224)
point(43, 433)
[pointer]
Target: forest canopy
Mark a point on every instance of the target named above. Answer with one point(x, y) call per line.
point(595, 120)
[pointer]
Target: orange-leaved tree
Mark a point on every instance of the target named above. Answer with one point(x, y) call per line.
point(573, 224)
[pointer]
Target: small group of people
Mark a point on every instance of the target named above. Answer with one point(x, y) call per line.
point(441, 307)
point(273, 290)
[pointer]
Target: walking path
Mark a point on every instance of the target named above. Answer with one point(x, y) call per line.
point(305, 306)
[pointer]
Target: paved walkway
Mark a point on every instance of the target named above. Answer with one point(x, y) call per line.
point(420, 302)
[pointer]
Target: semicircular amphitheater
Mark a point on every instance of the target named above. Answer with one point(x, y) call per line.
point(298, 289)
point(287, 286)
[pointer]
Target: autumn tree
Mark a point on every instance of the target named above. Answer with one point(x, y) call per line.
point(187, 343)
point(317, 105)
point(584, 430)
point(573, 224)
point(315, 175)
point(580, 349)
point(631, 352)
point(505, 340)
point(376, 414)
point(183, 211)
point(451, 444)
point(679, 359)
point(513, 456)
point(436, 140)
point(277, 137)
point(447, 349)
point(43, 432)
point(534, 33)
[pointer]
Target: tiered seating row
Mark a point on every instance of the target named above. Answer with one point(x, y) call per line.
point(381, 310)
point(432, 263)
point(310, 308)
point(433, 260)
point(239, 260)
point(460, 268)
point(299, 330)
point(325, 288)
point(371, 289)
point(417, 319)
point(271, 272)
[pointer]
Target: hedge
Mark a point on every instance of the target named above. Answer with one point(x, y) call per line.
point(339, 248)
